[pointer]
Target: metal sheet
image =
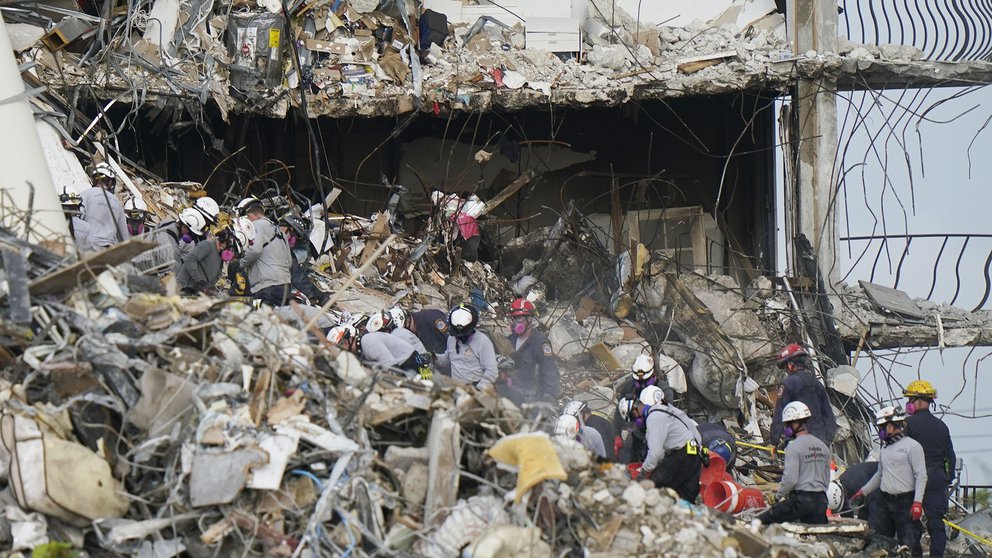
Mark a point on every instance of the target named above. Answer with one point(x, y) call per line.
point(892, 300)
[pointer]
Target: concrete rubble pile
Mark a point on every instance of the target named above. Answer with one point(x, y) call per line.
point(254, 56)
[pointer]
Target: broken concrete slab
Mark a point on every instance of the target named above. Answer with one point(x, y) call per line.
point(445, 453)
point(218, 477)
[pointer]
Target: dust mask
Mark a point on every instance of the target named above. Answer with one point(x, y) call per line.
point(292, 242)
point(187, 238)
point(227, 255)
point(883, 435)
point(910, 408)
point(519, 327)
point(788, 432)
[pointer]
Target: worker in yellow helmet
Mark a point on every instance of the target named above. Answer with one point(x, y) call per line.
point(933, 435)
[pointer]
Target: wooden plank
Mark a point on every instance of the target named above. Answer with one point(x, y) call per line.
point(699, 251)
point(604, 355)
point(379, 231)
point(444, 445)
point(85, 269)
point(511, 189)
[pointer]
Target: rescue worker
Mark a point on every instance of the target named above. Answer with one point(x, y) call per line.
point(102, 210)
point(294, 229)
point(568, 427)
point(392, 323)
point(179, 235)
point(597, 421)
point(535, 376)
point(470, 354)
point(642, 375)
point(902, 478)
point(431, 327)
point(717, 440)
point(674, 450)
point(377, 348)
point(801, 385)
point(802, 494)
point(135, 212)
point(201, 268)
point(72, 208)
point(938, 450)
point(267, 261)
point(853, 478)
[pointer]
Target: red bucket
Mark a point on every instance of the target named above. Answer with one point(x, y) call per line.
point(634, 469)
point(716, 472)
point(730, 497)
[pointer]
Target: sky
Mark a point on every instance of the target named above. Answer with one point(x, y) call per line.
point(909, 173)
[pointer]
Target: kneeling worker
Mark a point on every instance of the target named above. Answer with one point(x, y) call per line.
point(674, 446)
point(802, 495)
point(902, 477)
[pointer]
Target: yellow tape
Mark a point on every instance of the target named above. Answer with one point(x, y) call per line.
point(967, 532)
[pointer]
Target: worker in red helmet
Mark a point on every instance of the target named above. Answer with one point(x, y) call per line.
point(535, 376)
point(801, 385)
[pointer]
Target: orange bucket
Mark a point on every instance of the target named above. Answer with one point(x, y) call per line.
point(730, 497)
point(716, 472)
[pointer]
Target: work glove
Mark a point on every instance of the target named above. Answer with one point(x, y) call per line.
point(617, 445)
point(858, 497)
point(426, 373)
point(916, 511)
point(635, 472)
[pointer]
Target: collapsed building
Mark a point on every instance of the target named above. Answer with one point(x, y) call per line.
point(628, 163)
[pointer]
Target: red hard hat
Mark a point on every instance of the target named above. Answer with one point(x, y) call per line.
point(522, 307)
point(789, 352)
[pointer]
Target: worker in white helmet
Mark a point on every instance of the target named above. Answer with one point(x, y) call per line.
point(102, 210)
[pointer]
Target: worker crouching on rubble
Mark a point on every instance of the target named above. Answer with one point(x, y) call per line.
point(102, 211)
point(377, 348)
point(569, 428)
point(802, 493)
point(594, 420)
point(801, 385)
point(675, 455)
point(267, 261)
point(642, 376)
point(470, 354)
point(391, 321)
point(201, 268)
point(902, 478)
point(296, 231)
point(431, 327)
point(535, 375)
point(938, 452)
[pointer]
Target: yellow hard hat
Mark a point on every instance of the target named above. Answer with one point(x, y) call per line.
point(920, 388)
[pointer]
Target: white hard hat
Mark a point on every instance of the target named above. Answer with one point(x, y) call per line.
point(376, 322)
point(398, 316)
point(643, 367)
point(567, 427)
point(134, 203)
point(341, 333)
point(652, 395)
point(624, 406)
point(574, 408)
point(193, 219)
point(244, 234)
point(889, 414)
point(835, 496)
point(103, 169)
point(208, 207)
point(797, 410)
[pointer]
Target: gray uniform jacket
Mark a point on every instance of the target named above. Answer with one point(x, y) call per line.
point(268, 259)
point(105, 216)
point(201, 268)
point(473, 362)
point(667, 429)
point(592, 440)
point(81, 234)
point(383, 349)
point(411, 338)
point(901, 468)
point(807, 466)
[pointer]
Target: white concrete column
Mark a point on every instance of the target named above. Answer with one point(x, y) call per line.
point(22, 160)
point(813, 27)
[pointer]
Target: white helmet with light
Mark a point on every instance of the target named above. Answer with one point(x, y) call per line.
point(195, 220)
point(624, 406)
point(652, 395)
point(797, 410)
point(209, 208)
point(567, 427)
point(643, 367)
point(574, 408)
point(835, 497)
point(103, 170)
